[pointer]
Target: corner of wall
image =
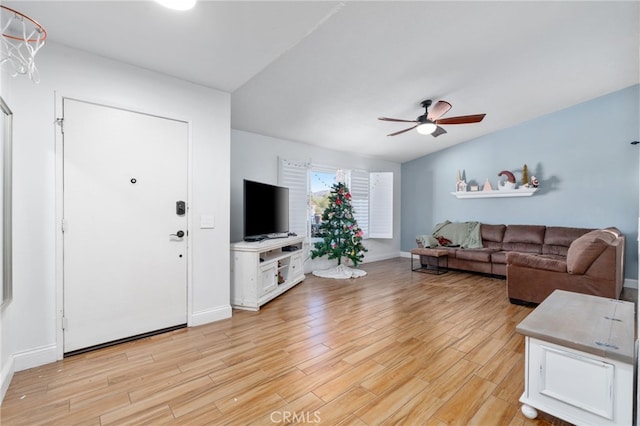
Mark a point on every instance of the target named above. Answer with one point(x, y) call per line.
point(6, 374)
point(35, 357)
point(23, 361)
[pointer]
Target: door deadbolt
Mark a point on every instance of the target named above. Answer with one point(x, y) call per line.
point(178, 234)
point(181, 208)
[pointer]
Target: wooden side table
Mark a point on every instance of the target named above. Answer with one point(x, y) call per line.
point(579, 359)
point(437, 260)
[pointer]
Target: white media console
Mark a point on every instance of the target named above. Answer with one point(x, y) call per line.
point(261, 271)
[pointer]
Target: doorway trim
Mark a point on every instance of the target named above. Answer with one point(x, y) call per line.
point(59, 203)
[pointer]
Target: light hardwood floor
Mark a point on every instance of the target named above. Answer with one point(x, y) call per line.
point(394, 347)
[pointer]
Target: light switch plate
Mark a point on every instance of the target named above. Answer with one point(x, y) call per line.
point(207, 221)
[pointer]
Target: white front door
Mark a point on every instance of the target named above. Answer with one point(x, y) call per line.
point(125, 263)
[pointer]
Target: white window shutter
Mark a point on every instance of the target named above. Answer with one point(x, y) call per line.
point(294, 175)
point(359, 188)
point(381, 205)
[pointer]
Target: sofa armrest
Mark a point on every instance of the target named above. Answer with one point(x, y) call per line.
point(534, 261)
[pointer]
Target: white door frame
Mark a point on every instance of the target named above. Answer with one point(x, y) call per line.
point(59, 205)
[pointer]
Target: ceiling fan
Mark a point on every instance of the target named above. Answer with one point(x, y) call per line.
point(429, 122)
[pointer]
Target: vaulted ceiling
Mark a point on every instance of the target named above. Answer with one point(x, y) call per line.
point(322, 72)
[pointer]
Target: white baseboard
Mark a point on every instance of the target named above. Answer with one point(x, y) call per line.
point(210, 315)
point(23, 361)
point(6, 374)
point(385, 256)
point(35, 357)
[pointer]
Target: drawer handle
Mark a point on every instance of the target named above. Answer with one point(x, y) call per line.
point(613, 319)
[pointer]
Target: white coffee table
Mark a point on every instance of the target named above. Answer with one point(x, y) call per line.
point(579, 359)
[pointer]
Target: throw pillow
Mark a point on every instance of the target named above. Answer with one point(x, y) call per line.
point(443, 241)
point(583, 252)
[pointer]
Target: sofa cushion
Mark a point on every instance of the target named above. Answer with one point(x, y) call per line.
point(586, 249)
point(522, 247)
point(557, 239)
point(530, 234)
point(478, 255)
point(562, 235)
point(451, 250)
point(524, 238)
point(494, 233)
point(534, 261)
point(492, 236)
point(499, 257)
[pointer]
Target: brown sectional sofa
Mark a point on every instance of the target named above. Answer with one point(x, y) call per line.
point(538, 259)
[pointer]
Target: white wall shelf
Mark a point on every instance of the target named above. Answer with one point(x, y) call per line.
point(520, 192)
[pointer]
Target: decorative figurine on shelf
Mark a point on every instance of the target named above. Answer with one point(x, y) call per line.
point(525, 176)
point(510, 183)
point(461, 184)
point(534, 181)
point(487, 186)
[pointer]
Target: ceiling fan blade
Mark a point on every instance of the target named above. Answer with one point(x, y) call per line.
point(463, 119)
point(397, 119)
point(439, 131)
point(402, 131)
point(438, 110)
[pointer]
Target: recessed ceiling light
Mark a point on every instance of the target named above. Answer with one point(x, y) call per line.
point(178, 4)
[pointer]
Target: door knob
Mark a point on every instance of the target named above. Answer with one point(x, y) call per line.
point(178, 234)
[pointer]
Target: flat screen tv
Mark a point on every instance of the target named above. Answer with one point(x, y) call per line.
point(266, 211)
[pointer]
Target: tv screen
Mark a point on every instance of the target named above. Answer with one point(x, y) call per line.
point(266, 211)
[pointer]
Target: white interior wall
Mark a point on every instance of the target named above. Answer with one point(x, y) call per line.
point(255, 157)
point(29, 324)
point(6, 367)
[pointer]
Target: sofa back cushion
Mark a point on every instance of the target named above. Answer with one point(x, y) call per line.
point(587, 248)
point(524, 238)
point(492, 235)
point(557, 239)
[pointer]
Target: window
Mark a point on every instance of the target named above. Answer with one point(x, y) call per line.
point(381, 196)
point(294, 175)
point(359, 188)
point(309, 186)
point(321, 181)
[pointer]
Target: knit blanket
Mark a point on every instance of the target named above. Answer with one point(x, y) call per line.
point(463, 234)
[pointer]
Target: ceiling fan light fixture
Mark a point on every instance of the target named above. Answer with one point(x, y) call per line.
point(178, 4)
point(427, 128)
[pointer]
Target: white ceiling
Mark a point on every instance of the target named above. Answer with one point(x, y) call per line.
point(321, 72)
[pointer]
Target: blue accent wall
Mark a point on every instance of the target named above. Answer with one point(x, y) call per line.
point(582, 156)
